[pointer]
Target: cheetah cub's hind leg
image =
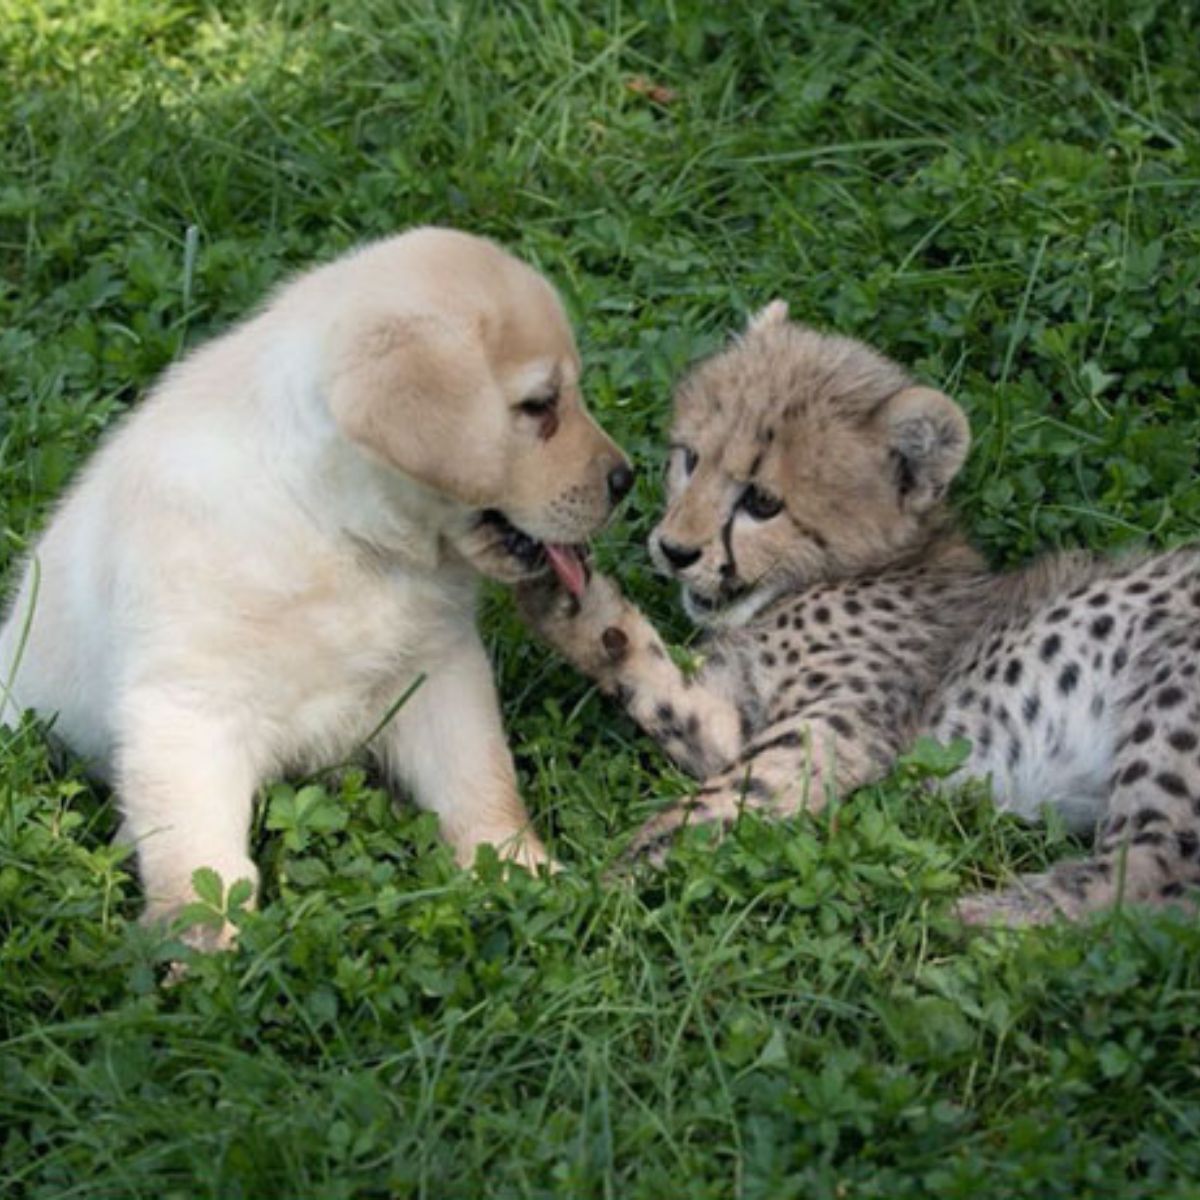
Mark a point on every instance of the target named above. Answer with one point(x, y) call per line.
point(1148, 846)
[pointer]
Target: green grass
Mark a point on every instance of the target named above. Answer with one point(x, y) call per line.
point(1005, 196)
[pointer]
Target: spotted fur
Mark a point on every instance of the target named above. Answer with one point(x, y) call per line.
point(857, 616)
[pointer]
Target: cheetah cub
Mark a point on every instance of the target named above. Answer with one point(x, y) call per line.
point(807, 523)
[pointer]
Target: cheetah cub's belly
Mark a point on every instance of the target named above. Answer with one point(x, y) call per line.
point(1045, 696)
point(1041, 729)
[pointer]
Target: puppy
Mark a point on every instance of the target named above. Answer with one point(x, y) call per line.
point(285, 538)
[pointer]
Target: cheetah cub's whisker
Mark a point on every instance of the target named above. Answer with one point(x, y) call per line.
point(806, 522)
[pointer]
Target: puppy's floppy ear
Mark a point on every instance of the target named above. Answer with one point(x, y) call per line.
point(927, 437)
point(775, 313)
point(416, 392)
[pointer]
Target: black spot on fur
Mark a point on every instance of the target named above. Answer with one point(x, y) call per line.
point(1187, 843)
point(1169, 697)
point(1068, 678)
point(1030, 708)
point(1135, 771)
point(1057, 614)
point(1102, 626)
point(1171, 783)
point(754, 788)
point(1150, 838)
point(792, 738)
point(840, 725)
point(1182, 740)
point(745, 724)
point(1012, 672)
point(1050, 647)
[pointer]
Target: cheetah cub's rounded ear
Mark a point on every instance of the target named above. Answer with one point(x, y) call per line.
point(775, 313)
point(927, 438)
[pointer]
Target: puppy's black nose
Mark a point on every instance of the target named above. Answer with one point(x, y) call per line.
point(679, 557)
point(620, 480)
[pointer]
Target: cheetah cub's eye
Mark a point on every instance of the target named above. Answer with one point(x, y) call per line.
point(685, 455)
point(760, 505)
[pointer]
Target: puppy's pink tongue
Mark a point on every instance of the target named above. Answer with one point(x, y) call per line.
point(567, 564)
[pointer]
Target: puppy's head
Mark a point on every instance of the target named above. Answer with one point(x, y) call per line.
point(795, 457)
point(456, 366)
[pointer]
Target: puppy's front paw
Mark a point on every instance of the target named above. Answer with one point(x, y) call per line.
point(592, 631)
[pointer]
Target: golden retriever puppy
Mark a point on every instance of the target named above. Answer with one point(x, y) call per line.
point(286, 536)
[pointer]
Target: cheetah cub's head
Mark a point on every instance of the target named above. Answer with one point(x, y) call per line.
point(796, 456)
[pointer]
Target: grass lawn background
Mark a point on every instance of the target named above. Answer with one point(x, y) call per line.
point(1004, 196)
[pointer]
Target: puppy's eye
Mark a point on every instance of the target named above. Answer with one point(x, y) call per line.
point(539, 406)
point(760, 505)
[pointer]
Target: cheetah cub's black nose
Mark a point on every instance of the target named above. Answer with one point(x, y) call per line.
point(620, 480)
point(680, 557)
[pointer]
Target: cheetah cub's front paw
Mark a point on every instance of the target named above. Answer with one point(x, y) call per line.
point(593, 632)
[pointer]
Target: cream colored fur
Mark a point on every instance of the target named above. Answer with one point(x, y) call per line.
point(286, 534)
